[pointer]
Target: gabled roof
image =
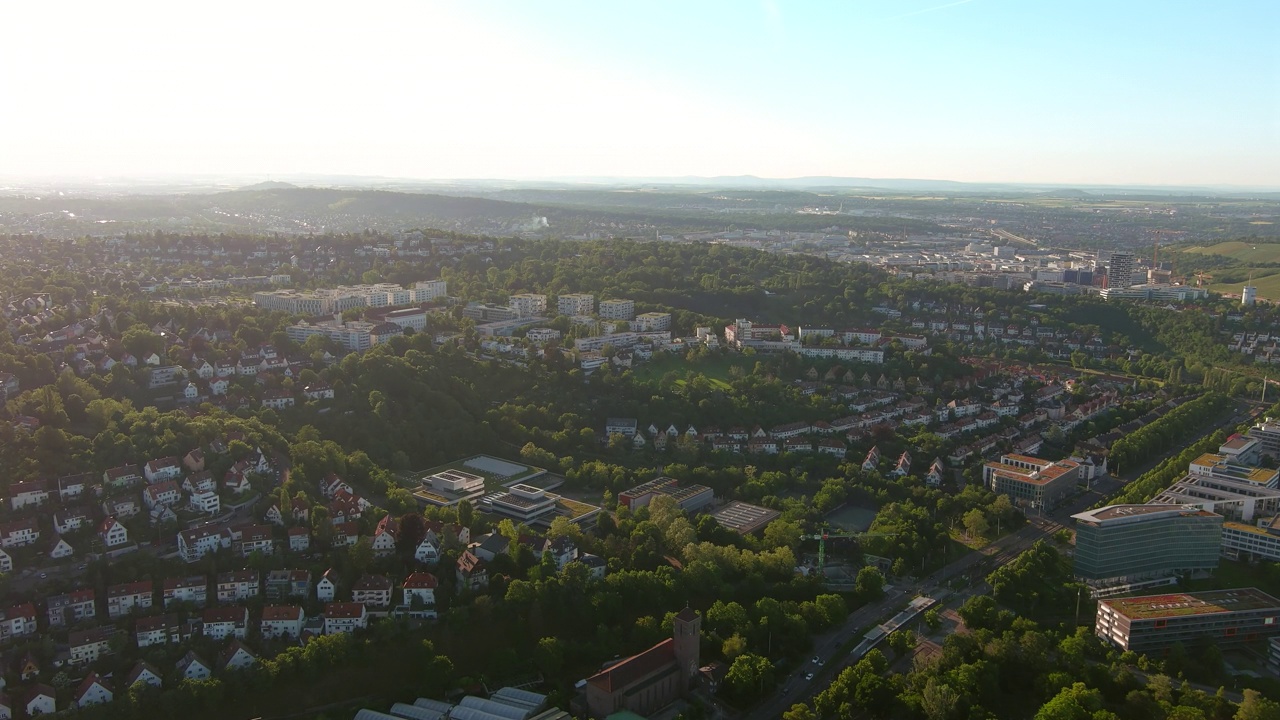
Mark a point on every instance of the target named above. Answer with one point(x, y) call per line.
point(421, 581)
point(87, 684)
point(636, 667)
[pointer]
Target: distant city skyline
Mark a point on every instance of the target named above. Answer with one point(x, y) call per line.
point(980, 91)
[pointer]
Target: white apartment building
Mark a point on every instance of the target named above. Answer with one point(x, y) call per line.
point(346, 297)
point(355, 335)
point(528, 304)
point(617, 309)
point(576, 304)
point(651, 322)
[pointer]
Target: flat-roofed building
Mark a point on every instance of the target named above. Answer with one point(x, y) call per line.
point(409, 318)
point(1125, 543)
point(617, 309)
point(1222, 467)
point(522, 503)
point(449, 487)
point(1261, 541)
point(1242, 450)
point(528, 304)
point(651, 322)
point(689, 498)
point(1155, 622)
point(1239, 499)
point(1267, 433)
point(1031, 481)
point(576, 304)
point(745, 518)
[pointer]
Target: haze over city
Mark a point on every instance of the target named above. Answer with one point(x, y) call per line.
point(974, 90)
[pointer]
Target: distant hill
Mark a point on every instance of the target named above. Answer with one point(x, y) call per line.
point(269, 185)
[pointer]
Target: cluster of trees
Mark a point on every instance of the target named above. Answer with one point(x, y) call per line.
point(1155, 480)
point(1176, 426)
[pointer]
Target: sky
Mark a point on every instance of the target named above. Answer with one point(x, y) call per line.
point(1167, 92)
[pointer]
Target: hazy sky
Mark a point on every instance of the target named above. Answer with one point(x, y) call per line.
point(1112, 91)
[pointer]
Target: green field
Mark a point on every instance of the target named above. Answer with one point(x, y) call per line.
point(716, 368)
point(1242, 251)
point(1268, 287)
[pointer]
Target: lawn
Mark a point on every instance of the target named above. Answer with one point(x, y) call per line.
point(1243, 251)
point(715, 368)
point(1268, 286)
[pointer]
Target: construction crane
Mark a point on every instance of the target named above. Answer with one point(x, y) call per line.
point(1200, 278)
point(827, 533)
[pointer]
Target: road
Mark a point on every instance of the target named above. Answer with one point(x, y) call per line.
point(795, 688)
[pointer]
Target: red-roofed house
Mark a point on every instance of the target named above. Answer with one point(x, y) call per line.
point(340, 617)
point(94, 690)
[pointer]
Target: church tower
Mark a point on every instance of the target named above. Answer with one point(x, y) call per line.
point(687, 632)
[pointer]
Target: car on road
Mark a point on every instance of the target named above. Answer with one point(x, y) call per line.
point(817, 660)
point(808, 676)
point(44, 575)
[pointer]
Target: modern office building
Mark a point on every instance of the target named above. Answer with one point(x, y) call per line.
point(1267, 432)
point(1261, 541)
point(449, 487)
point(1126, 543)
point(1032, 482)
point(1156, 622)
point(1241, 500)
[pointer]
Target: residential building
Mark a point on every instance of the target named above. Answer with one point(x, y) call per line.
point(419, 592)
point(162, 630)
point(93, 690)
point(1155, 622)
point(113, 533)
point(617, 309)
point(372, 590)
point(166, 468)
point(222, 623)
point(197, 542)
point(71, 608)
point(42, 700)
point(282, 621)
point(410, 318)
point(472, 573)
point(145, 673)
point(576, 304)
point(342, 617)
point(194, 590)
point(327, 587)
point(123, 476)
point(6, 562)
point(236, 656)
point(645, 683)
point(18, 621)
point(1126, 543)
point(124, 598)
point(28, 493)
point(193, 667)
point(237, 585)
point(87, 646)
point(527, 305)
point(1030, 481)
point(651, 322)
point(164, 493)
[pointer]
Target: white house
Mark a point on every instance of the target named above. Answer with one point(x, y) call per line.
point(41, 701)
point(282, 621)
point(164, 492)
point(191, 667)
point(166, 468)
point(6, 562)
point(92, 691)
point(195, 543)
point(237, 657)
point(207, 502)
point(420, 586)
point(299, 539)
point(428, 551)
point(113, 533)
point(342, 617)
point(222, 623)
point(89, 645)
point(61, 549)
point(144, 673)
point(19, 533)
point(327, 587)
